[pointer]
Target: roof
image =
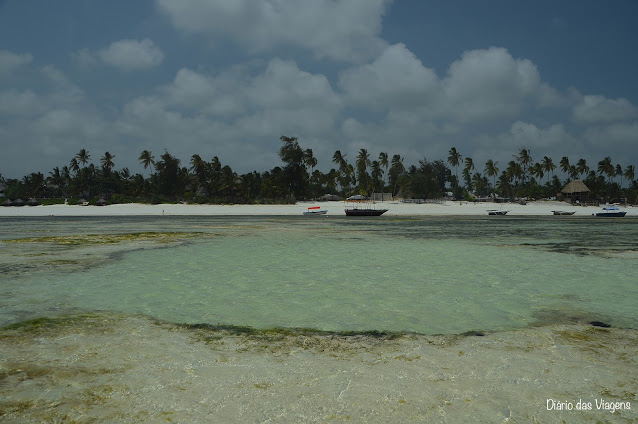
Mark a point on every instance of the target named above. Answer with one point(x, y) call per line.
point(576, 186)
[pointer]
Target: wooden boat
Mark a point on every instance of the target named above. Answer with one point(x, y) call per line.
point(611, 211)
point(315, 211)
point(496, 212)
point(563, 213)
point(361, 206)
point(365, 212)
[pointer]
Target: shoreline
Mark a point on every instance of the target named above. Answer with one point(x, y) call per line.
point(396, 209)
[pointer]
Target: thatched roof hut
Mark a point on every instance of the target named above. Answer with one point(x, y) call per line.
point(7, 202)
point(18, 202)
point(101, 202)
point(576, 191)
point(32, 202)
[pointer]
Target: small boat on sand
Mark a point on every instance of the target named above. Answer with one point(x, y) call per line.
point(361, 206)
point(496, 212)
point(315, 211)
point(611, 211)
point(563, 212)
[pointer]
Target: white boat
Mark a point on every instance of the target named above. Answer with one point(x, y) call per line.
point(563, 213)
point(315, 210)
point(497, 212)
point(611, 211)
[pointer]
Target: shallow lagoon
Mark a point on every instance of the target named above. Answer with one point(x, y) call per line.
point(530, 285)
point(425, 275)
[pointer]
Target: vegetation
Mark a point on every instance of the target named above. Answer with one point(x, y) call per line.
point(200, 181)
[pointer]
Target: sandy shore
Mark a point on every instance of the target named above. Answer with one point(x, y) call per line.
point(109, 368)
point(541, 208)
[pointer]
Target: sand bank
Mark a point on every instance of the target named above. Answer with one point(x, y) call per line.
point(540, 208)
point(109, 368)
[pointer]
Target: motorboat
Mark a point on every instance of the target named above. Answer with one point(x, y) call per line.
point(496, 212)
point(563, 212)
point(611, 211)
point(315, 211)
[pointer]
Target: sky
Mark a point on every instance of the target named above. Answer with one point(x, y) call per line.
point(227, 78)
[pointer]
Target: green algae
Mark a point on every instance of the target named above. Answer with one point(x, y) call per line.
point(100, 239)
point(57, 324)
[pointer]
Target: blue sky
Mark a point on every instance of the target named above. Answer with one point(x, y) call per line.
point(228, 78)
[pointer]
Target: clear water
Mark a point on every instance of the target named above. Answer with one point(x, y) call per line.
point(430, 275)
point(540, 277)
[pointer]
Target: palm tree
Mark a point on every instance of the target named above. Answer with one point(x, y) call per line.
point(514, 171)
point(396, 170)
point(383, 161)
point(83, 157)
point(525, 159)
point(582, 167)
point(573, 172)
point(363, 162)
point(309, 159)
point(56, 179)
point(146, 159)
point(107, 161)
point(340, 160)
point(200, 168)
point(74, 165)
point(564, 164)
point(619, 172)
point(537, 170)
point(548, 166)
point(605, 167)
point(454, 159)
point(469, 166)
point(630, 172)
point(491, 170)
point(377, 174)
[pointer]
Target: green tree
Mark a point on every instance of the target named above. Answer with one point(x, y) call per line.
point(383, 161)
point(548, 166)
point(396, 170)
point(169, 173)
point(146, 159)
point(524, 158)
point(454, 159)
point(491, 170)
point(467, 172)
point(294, 173)
point(582, 168)
point(107, 162)
point(83, 157)
point(363, 162)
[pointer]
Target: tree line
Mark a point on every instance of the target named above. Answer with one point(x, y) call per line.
point(201, 181)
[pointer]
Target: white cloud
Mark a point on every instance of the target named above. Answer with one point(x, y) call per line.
point(19, 103)
point(10, 61)
point(126, 55)
point(397, 78)
point(339, 29)
point(525, 134)
point(490, 84)
point(601, 110)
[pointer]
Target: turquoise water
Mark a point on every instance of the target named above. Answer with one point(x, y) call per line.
point(430, 275)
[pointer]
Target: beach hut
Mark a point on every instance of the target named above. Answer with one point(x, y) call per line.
point(7, 202)
point(576, 191)
point(101, 202)
point(18, 202)
point(32, 202)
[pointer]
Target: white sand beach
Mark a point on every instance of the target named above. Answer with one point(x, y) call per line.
point(449, 208)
